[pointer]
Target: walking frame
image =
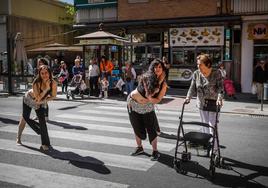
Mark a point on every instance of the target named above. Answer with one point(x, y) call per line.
point(198, 138)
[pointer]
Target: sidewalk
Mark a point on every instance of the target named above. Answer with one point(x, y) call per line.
point(244, 104)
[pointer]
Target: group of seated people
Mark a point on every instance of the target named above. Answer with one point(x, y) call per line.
point(103, 78)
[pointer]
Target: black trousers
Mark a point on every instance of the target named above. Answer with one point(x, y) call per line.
point(39, 127)
point(94, 87)
point(143, 123)
point(64, 85)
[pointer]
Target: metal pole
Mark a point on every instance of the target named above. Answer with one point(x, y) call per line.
point(262, 91)
point(10, 90)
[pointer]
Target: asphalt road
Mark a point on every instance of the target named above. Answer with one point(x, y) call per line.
point(92, 143)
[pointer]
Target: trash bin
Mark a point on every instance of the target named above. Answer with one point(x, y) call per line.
point(265, 91)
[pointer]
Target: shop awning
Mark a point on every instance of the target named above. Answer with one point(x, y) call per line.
point(101, 37)
point(58, 48)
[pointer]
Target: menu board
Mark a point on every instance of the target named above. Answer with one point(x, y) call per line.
point(197, 36)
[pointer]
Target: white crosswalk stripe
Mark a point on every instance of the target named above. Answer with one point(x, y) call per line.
point(101, 125)
point(124, 142)
point(19, 174)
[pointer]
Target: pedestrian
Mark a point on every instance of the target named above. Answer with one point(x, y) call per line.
point(44, 89)
point(55, 68)
point(227, 83)
point(77, 68)
point(130, 77)
point(167, 66)
point(104, 83)
point(106, 68)
point(207, 83)
point(259, 77)
point(63, 77)
point(141, 101)
point(93, 75)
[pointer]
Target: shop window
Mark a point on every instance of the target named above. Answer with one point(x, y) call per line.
point(153, 37)
point(139, 37)
point(184, 57)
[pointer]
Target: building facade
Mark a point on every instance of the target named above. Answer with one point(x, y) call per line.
point(39, 22)
point(181, 30)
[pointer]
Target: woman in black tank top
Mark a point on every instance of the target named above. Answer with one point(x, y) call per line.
point(151, 89)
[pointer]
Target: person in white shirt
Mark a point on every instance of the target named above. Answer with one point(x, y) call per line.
point(93, 76)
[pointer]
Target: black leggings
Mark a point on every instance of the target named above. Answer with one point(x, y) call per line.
point(39, 127)
point(143, 123)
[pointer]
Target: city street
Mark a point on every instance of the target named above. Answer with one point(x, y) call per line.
point(92, 141)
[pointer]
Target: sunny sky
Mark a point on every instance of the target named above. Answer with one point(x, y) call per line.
point(68, 1)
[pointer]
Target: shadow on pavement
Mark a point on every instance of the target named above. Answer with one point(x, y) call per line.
point(79, 161)
point(75, 106)
point(8, 121)
point(195, 170)
point(166, 100)
point(66, 125)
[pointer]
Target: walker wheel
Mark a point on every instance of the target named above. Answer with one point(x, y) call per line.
point(178, 168)
point(212, 170)
point(218, 161)
point(221, 162)
point(186, 156)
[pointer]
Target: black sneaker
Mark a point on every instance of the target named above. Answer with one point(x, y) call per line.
point(155, 156)
point(138, 151)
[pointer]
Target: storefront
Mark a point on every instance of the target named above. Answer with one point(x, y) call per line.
point(187, 43)
point(142, 49)
point(254, 47)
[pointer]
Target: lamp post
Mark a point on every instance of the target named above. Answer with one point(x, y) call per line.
point(9, 66)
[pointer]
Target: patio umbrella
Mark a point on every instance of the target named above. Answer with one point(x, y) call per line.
point(20, 57)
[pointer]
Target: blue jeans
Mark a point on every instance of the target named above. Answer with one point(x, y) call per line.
point(129, 86)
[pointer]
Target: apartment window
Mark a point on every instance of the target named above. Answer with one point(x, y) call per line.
point(138, 1)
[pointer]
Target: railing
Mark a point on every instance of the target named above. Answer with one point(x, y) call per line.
point(249, 6)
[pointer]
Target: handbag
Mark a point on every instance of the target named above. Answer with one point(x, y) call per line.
point(210, 105)
point(254, 89)
point(29, 101)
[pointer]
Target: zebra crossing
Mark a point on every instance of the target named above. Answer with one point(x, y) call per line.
point(102, 125)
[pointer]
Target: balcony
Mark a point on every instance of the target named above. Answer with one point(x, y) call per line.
point(247, 7)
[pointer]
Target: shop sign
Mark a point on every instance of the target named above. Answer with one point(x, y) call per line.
point(227, 49)
point(180, 74)
point(258, 31)
point(100, 41)
point(197, 36)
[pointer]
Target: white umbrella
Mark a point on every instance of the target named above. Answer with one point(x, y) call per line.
point(20, 56)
